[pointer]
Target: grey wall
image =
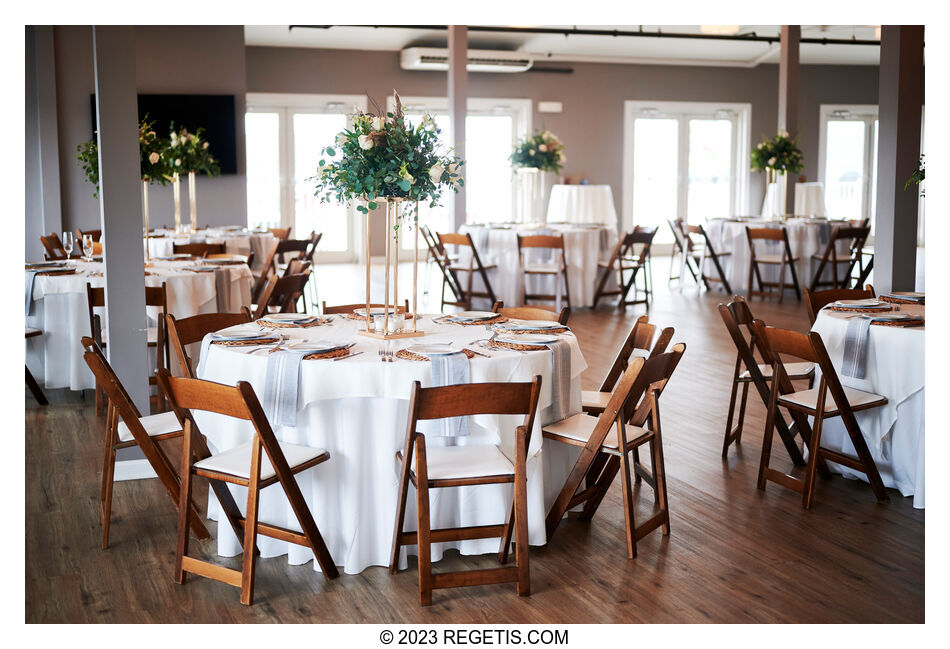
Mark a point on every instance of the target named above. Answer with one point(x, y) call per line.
point(591, 124)
point(205, 60)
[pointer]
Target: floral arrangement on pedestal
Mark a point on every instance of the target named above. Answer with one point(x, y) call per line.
point(189, 153)
point(778, 155)
point(543, 151)
point(153, 163)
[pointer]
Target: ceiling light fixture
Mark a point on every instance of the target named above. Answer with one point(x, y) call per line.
point(719, 30)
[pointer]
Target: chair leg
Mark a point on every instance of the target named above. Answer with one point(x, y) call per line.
point(100, 402)
point(184, 501)
point(108, 479)
point(423, 526)
point(628, 506)
point(35, 388)
point(248, 563)
point(745, 397)
point(808, 489)
point(400, 512)
point(520, 502)
point(781, 281)
point(659, 477)
point(505, 548)
point(727, 437)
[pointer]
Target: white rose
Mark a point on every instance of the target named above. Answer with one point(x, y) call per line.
point(205, 145)
point(453, 168)
point(542, 148)
point(154, 158)
point(366, 142)
point(530, 151)
point(435, 173)
point(379, 123)
point(772, 160)
point(340, 139)
point(177, 162)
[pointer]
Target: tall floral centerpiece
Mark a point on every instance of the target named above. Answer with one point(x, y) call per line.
point(532, 157)
point(189, 153)
point(778, 157)
point(387, 159)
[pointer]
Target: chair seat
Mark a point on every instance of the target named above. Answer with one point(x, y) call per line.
point(845, 260)
point(161, 424)
point(628, 263)
point(237, 461)
point(858, 399)
point(594, 399)
point(458, 462)
point(772, 259)
point(466, 269)
point(543, 268)
point(579, 428)
point(794, 371)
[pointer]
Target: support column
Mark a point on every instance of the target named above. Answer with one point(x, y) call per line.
point(788, 72)
point(900, 98)
point(120, 207)
point(458, 96)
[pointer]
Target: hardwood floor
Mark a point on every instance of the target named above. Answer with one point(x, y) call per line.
point(735, 554)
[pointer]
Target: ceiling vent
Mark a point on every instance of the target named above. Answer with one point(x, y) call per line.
point(433, 58)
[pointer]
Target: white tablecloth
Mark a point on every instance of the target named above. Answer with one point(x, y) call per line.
point(894, 432)
point(60, 309)
point(810, 199)
point(582, 204)
point(237, 242)
point(358, 409)
point(806, 237)
point(584, 247)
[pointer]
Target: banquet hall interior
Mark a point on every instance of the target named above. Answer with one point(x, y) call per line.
point(465, 324)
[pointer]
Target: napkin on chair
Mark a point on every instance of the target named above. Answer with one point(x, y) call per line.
point(855, 361)
point(451, 369)
point(561, 385)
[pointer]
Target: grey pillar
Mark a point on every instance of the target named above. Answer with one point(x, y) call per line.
point(120, 206)
point(901, 94)
point(458, 95)
point(788, 71)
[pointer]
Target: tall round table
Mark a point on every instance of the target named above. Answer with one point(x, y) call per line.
point(357, 409)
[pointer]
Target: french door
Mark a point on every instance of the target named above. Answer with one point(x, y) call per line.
point(683, 160)
point(284, 136)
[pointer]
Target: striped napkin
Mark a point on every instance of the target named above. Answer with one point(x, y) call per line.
point(451, 369)
point(30, 278)
point(855, 361)
point(282, 386)
point(222, 289)
point(561, 385)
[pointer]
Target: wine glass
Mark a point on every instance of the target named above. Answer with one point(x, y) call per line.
point(87, 247)
point(68, 242)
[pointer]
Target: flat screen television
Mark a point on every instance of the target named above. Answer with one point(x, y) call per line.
point(213, 112)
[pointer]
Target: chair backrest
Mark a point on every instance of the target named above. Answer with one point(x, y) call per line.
point(855, 235)
point(281, 233)
point(679, 241)
point(815, 300)
point(736, 315)
point(199, 249)
point(555, 241)
point(690, 235)
point(349, 308)
point(532, 313)
point(641, 236)
point(449, 272)
point(299, 247)
point(315, 238)
point(191, 330)
point(96, 235)
point(297, 267)
point(640, 336)
point(53, 246)
point(156, 296)
point(107, 379)
point(282, 292)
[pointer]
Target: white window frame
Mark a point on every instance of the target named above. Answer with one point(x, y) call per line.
point(285, 105)
point(739, 196)
point(867, 113)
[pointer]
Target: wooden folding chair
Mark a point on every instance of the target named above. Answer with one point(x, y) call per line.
point(53, 246)
point(786, 259)
point(126, 427)
point(633, 404)
point(96, 235)
point(456, 466)
point(451, 270)
point(349, 308)
point(255, 465)
point(434, 253)
point(30, 379)
point(281, 293)
point(815, 300)
point(632, 253)
point(281, 233)
point(697, 238)
point(557, 269)
point(278, 259)
point(155, 296)
point(188, 331)
point(532, 313)
point(199, 249)
point(841, 267)
point(737, 315)
point(682, 250)
point(846, 401)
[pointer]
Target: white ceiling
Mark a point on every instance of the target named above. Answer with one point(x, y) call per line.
point(578, 48)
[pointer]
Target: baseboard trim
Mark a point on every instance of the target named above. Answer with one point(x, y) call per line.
point(133, 470)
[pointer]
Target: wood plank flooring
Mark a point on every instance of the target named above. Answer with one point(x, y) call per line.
point(735, 554)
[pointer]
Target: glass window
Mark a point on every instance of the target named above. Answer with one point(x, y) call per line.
point(845, 171)
point(312, 132)
point(710, 165)
point(655, 172)
point(263, 169)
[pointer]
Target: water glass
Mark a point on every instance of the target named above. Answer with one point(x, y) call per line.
point(68, 242)
point(87, 247)
point(398, 322)
point(379, 323)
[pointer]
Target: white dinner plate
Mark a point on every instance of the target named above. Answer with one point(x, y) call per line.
point(527, 339)
point(432, 350)
point(867, 303)
point(472, 315)
point(288, 317)
point(376, 310)
point(177, 255)
point(516, 325)
point(895, 316)
point(243, 331)
point(317, 346)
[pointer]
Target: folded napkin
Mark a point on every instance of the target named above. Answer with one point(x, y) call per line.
point(854, 363)
point(824, 233)
point(909, 298)
point(281, 387)
point(450, 369)
point(561, 384)
point(30, 278)
point(222, 289)
point(216, 337)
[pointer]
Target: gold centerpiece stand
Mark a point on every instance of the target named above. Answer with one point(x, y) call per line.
point(392, 252)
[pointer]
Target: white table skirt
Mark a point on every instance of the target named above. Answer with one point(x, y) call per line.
point(895, 431)
point(584, 247)
point(235, 242)
point(806, 237)
point(357, 410)
point(60, 310)
point(582, 204)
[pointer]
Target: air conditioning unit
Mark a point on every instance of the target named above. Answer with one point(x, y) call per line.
point(434, 58)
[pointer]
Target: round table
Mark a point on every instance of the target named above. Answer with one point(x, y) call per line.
point(357, 409)
point(582, 204)
point(584, 246)
point(60, 310)
point(894, 432)
point(806, 237)
point(237, 241)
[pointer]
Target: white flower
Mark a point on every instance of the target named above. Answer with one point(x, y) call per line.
point(379, 123)
point(177, 162)
point(561, 156)
point(435, 172)
point(174, 139)
point(154, 157)
point(530, 151)
point(428, 122)
point(453, 169)
point(340, 139)
point(366, 142)
point(784, 133)
point(772, 161)
point(205, 145)
point(542, 148)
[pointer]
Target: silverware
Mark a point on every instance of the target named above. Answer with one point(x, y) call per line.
point(475, 352)
point(342, 358)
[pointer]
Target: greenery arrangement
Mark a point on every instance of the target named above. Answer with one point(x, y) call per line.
point(189, 152)
point(153, 161)
point(541, 151)
point(918, 176)
point(380, 157)
point(778, 154)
